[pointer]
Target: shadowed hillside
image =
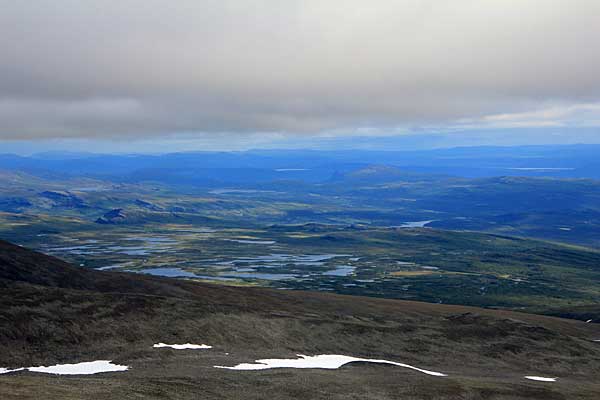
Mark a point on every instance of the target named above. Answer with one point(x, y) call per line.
point(52, 312)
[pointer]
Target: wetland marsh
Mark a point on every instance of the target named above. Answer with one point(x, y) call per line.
point(406, 263)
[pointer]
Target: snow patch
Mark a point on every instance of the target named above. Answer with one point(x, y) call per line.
point(324, 361)
point(183, 346)
point(541, 379)
point(84, 368)
point(7, 371)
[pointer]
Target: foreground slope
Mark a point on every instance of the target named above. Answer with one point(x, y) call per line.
point(52, 312)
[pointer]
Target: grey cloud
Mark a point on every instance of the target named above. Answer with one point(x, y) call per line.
point(70, 68)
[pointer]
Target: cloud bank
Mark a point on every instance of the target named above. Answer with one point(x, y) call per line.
point(137, 68)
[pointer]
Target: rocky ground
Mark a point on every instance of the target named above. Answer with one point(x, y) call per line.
point(52, 312)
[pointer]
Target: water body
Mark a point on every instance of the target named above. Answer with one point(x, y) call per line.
point(150, 245)
point(260, 275)
point(130, 250)
point(415, 224)
point(541, 169)
point(343, 270)
point(240, 191)
point(78, 250)
point(202, 229)
point(153, 239)
point(245, 267)
point(174, 272)
point(90, 189)
point(169, 272)
point(280, 259)
point(109, 267)
point(248, 241)
point(323, 361)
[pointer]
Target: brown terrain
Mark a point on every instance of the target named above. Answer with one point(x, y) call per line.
point(55, 313)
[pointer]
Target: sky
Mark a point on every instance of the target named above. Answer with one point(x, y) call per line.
point(221, 74)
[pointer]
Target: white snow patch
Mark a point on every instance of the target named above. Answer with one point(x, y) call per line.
point(541, 379)
point(325, 361)
point(7, 371)
point(183, 346)
point(84, 368)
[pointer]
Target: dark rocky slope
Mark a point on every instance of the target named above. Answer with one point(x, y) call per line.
point(52, 312)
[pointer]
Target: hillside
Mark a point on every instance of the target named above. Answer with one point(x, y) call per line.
point(418, 264)
point(51, 312)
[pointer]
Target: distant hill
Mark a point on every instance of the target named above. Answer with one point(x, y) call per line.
point(378, 174)
point(559, 161)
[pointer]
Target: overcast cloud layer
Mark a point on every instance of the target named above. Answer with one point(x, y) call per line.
point(100, 68)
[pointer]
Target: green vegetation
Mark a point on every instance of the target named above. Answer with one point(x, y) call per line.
point(405, 263)
point(334, 236)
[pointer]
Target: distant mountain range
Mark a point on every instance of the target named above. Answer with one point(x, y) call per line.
point(310, 165)
point(549, 192)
